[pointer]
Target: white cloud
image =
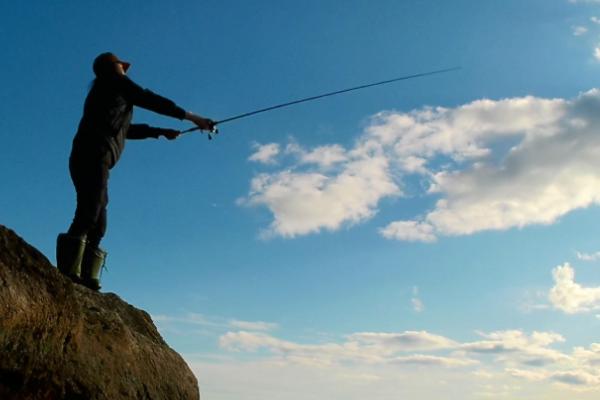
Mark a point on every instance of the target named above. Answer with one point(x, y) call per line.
point(579, 30)
point(265, 153)
point(595, 20)
point(568, 295)
point(597, 53)
point(464, 132)
point(491, 164)
point(307, 202)
point(413, 165)
point(324, 156)
point(549, 169)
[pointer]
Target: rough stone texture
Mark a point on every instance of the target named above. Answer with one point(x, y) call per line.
point(59, 340)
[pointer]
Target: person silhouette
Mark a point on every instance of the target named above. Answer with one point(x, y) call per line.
point(97, 146)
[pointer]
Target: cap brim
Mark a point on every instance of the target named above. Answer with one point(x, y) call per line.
point(125, 65)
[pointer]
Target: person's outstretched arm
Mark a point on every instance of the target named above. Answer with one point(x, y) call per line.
point(151, 101)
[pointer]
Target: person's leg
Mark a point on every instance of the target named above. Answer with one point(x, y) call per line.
point(90, 178)
point(97, 231)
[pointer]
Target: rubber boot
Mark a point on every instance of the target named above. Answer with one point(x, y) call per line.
point(69, 255)
point(91, 266)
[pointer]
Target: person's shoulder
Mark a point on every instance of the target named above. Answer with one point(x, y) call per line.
point(125, 83)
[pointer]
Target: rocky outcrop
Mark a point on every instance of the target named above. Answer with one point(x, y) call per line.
point(59, 340)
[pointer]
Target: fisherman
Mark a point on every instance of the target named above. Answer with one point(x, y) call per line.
point(97, 146)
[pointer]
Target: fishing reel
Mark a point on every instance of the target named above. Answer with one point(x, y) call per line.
point(213, 132)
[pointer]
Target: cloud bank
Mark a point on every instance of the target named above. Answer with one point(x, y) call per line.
point(377, 359)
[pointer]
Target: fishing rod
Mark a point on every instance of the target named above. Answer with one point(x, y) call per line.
point(319, 96)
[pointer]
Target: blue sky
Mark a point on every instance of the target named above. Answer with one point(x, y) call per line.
point(433, 237)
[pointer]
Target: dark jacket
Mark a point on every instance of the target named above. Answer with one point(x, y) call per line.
point(106, 121)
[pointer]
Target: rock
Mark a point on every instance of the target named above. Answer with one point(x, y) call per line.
point(60, 340)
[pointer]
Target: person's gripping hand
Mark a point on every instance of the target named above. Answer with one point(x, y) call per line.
point(205, 124)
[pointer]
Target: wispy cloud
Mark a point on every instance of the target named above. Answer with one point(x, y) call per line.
point(403, 341)
point(188, 318)
point(182, 323)
point(410, 231)
point(417, 303)
point(579, 30)
point(493, 361)
point(430, 360)
point(582, 30)
point(513, 347)
point(516, 347)
point(588, 256)
point(534, 300)
point(252, 325)
point(365, 347)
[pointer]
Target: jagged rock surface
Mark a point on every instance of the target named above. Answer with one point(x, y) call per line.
point(59, 340)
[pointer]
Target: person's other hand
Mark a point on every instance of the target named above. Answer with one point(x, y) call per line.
point(171, 134)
